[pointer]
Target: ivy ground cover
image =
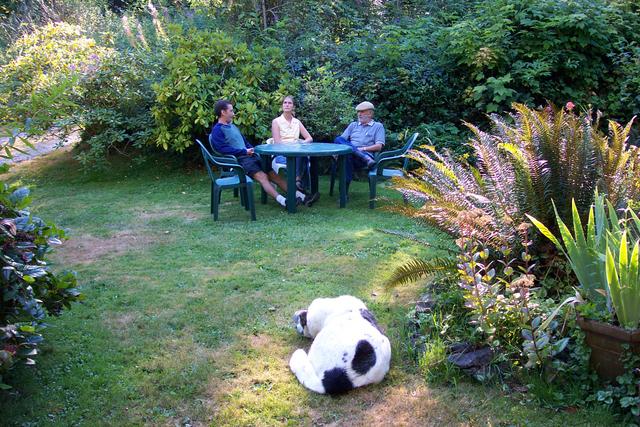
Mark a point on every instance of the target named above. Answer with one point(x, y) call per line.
point(187, 321)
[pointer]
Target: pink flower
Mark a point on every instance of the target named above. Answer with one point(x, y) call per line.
point(570, 105)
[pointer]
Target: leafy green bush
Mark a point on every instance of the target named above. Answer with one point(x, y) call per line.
point(531, 52)
point(28, 289)
point(505, 306)
point(326, 107)
point(115, 105)
point(114, 101)
point(624, 99)
point(207, 66)
point(39, 63)
point(398, 69)
point(103, 91)
point(445, 136)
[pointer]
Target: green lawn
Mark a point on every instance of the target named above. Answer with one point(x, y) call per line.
point(187, 321)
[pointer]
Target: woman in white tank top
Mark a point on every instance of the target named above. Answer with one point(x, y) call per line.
point(286, 129)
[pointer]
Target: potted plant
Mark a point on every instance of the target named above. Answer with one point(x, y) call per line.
point(609, 276)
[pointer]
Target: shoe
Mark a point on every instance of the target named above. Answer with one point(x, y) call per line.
point(311, 199)
point(371, 165)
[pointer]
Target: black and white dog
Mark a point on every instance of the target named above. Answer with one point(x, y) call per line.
point(349, 349)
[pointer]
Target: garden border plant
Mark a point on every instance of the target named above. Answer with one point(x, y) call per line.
point(545, 154)
point(29, 290)
point(606, 263)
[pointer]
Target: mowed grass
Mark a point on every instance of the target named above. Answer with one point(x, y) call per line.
point(187, 321)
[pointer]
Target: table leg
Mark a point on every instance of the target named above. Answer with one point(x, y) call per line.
point(342, 159)
point(265, 159)
point(291, 184)
point(313, 172)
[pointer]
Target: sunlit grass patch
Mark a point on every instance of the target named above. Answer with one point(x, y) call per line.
point(257, 387)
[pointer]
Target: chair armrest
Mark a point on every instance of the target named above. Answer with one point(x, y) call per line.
point(226, 162)
point(385, 157)
point(388, 155)
point(227, 157)
point(229, 162)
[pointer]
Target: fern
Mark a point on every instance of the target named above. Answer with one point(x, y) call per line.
point(523, 165)
point(416, 269)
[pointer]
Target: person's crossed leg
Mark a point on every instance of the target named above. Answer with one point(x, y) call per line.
point(253, 168)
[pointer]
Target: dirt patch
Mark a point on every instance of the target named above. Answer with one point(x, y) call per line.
point(216, 273)
point(260, 341)
point(407, 404)
point(121, 324)
point(255, 382)
point(85, 249)
point(187, 214)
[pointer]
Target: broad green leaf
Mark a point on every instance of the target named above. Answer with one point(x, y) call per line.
point(546, 232)
point(577, 226)
point(613, 283)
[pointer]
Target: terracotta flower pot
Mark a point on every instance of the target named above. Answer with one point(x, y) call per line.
point(605, 341)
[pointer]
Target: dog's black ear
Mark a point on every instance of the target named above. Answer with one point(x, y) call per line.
point(300, 321)
point(369, 317)
point(303, 318)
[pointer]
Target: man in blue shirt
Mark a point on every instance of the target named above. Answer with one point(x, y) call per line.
point(225, 138)
point(365, 137)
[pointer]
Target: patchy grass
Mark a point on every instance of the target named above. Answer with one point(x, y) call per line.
point(187, 320)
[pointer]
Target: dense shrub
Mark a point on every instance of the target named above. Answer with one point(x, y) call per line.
point(536, 51)
point(28, 289)
point(39, 63)
point(115, 105)
point(209, 65)
point(23, 16)
point(326, 107)
point(445, 137)
point(398, 69)
point(624, 99)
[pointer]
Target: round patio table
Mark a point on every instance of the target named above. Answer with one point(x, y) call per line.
point(312, 150)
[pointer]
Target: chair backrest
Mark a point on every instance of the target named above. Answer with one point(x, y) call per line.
point(406, 149)
point(208, 160)
point(227, 165)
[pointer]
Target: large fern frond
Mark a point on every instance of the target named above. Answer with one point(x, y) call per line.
point(416, 269)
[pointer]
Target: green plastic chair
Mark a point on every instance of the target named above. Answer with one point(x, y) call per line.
point(378, 171)
point(230, 175)
point(384, 158)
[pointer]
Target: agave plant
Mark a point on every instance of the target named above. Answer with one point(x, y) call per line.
point(601, 270)
point(623, 281)
point(547, 154)
point(585, 252)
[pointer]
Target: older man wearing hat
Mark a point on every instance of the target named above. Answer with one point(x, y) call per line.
point(365, 137)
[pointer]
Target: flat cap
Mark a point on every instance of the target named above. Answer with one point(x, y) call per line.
point(366, 105)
